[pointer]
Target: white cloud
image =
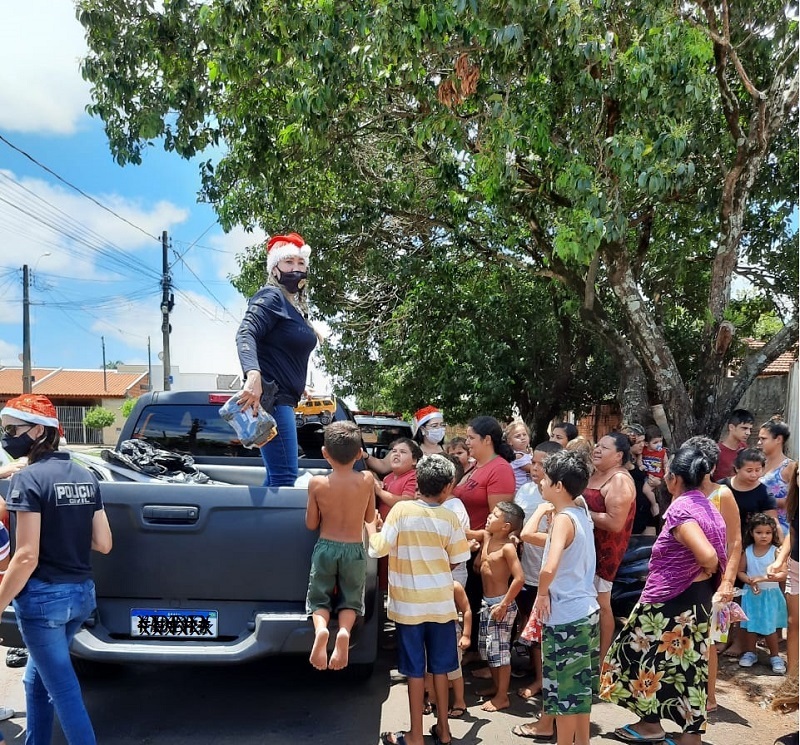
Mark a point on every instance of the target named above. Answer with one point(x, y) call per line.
point(41, 90)
point(203, 334)
point(38, 218)
point(9, 354)
point(228, 245)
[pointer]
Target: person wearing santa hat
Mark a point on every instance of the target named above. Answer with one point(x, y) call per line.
point(427, 428)
point(59, 520)
point(274, 343)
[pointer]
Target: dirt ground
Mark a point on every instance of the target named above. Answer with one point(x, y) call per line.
point(745, 697)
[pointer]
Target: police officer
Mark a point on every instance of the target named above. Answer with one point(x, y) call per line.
point(59, 520)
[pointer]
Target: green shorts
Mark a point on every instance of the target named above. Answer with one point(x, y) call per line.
point(570, 666)
point(338, 574)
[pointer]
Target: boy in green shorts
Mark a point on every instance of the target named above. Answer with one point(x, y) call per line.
point(338, 504)
point(566, 603)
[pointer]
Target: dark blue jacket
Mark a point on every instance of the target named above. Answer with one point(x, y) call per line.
point(275, 339)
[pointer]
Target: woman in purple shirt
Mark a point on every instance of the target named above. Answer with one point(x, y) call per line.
point(658, 665)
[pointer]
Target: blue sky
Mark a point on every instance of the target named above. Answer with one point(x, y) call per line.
point(101, 277)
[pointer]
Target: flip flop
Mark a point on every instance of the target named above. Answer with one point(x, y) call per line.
point(520, 731)
point(398, 738)
point(629, 734)
point(456, 712)
point(435, 736)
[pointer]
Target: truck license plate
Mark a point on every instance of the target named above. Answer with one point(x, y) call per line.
point(174, 623)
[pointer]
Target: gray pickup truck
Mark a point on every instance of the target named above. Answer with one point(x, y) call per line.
point(205, 573)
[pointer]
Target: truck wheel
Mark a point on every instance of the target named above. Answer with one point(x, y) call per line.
point(300, 420)
point(325, 418)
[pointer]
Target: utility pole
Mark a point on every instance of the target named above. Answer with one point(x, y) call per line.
point(27, 378)
point(149, 367)
point(167, 301)
point(105, 372)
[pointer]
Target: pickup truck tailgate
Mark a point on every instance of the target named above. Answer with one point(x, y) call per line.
point(205, 542)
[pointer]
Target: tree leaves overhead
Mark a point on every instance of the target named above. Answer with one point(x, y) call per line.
point(617, 160)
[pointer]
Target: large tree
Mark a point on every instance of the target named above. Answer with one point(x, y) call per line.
point(640, 155)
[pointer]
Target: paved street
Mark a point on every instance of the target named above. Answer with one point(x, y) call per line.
point(287, 703)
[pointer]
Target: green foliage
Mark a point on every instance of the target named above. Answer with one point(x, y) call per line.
point(423, 148)
point(127, 406)
point(98, 418)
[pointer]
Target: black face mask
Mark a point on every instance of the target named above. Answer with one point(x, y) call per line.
point(292, 281)
point(19, 446)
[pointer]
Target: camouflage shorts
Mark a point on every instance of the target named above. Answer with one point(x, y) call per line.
point(570, 666)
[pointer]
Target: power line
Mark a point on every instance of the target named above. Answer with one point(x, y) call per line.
point(77, 189)
point(206, 288)
point(51, 217)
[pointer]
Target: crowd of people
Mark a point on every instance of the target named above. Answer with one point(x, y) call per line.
point(493, 543)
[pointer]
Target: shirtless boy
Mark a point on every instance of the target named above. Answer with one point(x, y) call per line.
point(338, 504)
point(499, 563)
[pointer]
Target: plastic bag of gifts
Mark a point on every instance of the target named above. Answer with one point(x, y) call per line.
point(253, 430)
point(723, 615)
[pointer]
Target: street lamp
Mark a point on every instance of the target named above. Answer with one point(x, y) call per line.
point(27, 378)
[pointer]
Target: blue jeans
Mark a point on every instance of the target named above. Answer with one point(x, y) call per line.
point(280, 453)
point(49, 615)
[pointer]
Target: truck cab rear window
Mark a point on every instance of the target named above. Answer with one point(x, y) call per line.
point(196, 429)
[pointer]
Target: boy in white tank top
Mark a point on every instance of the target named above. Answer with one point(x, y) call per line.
point(566, 604)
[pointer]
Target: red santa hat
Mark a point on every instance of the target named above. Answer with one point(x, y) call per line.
point(33, 408)
point(280, 247)
point(423, 415)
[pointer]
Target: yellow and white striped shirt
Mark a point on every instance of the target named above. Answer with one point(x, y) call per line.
point(422, 541)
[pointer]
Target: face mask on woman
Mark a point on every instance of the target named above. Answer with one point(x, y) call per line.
point(19, 446)
point(434, 434)
point(292, 281)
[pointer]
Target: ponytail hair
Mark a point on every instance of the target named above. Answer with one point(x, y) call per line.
point(692, 465)
point(622, 444)
point(488, 426)
point(47, 443)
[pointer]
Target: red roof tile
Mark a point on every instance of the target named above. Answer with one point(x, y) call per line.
point(61, 383)
point(781, 365)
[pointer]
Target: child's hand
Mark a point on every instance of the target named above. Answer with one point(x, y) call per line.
point(464, 642)
point(499, 611)
point(541, 608)
point(378, 521)
point(474, 545)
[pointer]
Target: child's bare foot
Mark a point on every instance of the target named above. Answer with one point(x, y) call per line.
point(498, 703)
point(319, 652)
point(341, 651)
point(530, 691)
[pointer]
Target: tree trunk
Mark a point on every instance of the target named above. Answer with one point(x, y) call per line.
point(650, 345)
point(716, 416)
point(765, 112)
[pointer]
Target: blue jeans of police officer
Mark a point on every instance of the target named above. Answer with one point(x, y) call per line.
point(49, 615)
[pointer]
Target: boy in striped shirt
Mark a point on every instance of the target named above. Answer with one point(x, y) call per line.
point(423, 541)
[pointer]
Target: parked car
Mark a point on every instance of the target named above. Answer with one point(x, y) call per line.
point(631, 575)
point(378, 432)
point(205, 572)
point(315, 408)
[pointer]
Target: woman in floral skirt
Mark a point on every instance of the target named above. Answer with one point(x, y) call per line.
point(658, 665)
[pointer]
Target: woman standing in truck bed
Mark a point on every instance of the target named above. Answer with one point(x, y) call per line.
point(274, 342)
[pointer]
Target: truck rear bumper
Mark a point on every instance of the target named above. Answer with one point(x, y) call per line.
point(272, 634)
